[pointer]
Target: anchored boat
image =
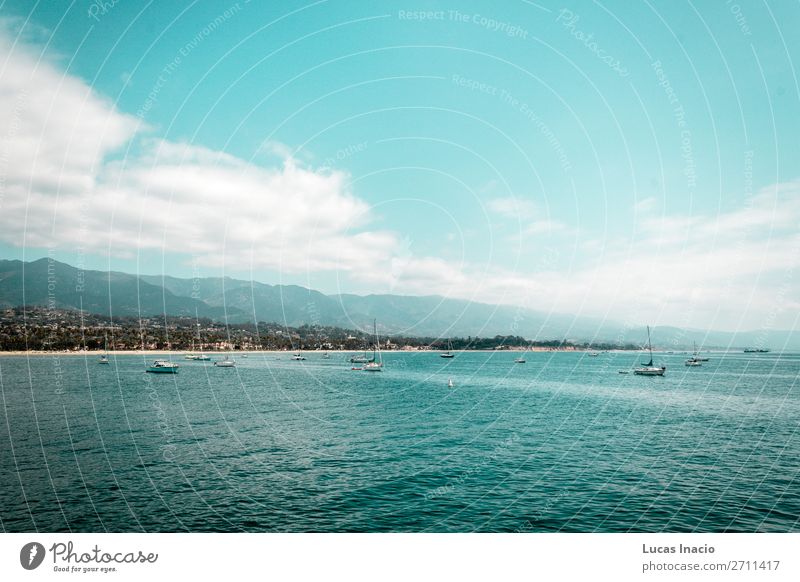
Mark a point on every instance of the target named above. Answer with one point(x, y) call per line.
point(226, 363)
point(375, 364)
point(448, 353)
point(163, 367)
point(649, 369)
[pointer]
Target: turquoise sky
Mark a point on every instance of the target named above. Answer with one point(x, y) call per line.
point(482, 136)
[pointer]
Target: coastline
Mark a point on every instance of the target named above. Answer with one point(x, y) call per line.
point(231, 352)
point(92, 353)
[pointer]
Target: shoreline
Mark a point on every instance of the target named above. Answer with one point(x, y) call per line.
point(93, 353)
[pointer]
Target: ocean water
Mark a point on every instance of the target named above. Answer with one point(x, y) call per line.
point(561, 443)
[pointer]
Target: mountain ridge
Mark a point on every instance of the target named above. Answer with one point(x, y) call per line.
point(50, 282)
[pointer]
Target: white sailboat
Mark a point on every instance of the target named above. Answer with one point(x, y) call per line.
point(521, 359)
point(694, 360)
point(104, 357)
point(191, 355)
point(697, 355)
point(375, 364)
point(649, 369)
point(228, 362)
point(197, 356)
point(448, 353)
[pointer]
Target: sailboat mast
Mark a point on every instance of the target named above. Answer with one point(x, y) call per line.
point(650, 345)
point(377, 342)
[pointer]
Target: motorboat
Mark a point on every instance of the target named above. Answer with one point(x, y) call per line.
point(163, 367)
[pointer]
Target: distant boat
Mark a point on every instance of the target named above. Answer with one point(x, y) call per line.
point(448, 353)
point(325, 356)
point(697, 355)
point(226, 363)
point(649, 369)
point(359, 359)
point(104, 357)
point(197, 357)
point(376, 362)
point(694, 360)
point(521, 359)
point(450, 383)
point(593, 354)
point(298, 356)
point(755, 351)
point(163, 367)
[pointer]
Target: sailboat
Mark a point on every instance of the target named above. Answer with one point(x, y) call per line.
point(521, 359)
point(448, 353)
point(376, 362)
point(198, 357)
point(226, 363)
point(697, 355)
point(104, 357)
point(694, 360)
point(649, 369)
point(191, 355)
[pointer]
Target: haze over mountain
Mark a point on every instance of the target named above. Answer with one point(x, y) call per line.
point(44, 282)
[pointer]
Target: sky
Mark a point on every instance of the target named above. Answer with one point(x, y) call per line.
point(632, 161)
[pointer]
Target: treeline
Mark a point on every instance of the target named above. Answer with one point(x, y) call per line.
point(43, 329)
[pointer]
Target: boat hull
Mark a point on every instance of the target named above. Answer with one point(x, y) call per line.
point(162, 370)
point(649, 371)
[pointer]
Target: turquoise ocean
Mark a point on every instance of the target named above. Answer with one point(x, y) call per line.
point(562, 443)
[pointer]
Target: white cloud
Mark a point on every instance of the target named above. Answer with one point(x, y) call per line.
point(544, 227)
point(62, 186)
point(645, 205)
point(512, 207)
point(733, 270)
point(55, 131)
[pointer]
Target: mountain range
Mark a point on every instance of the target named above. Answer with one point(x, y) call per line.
point(46, 282)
